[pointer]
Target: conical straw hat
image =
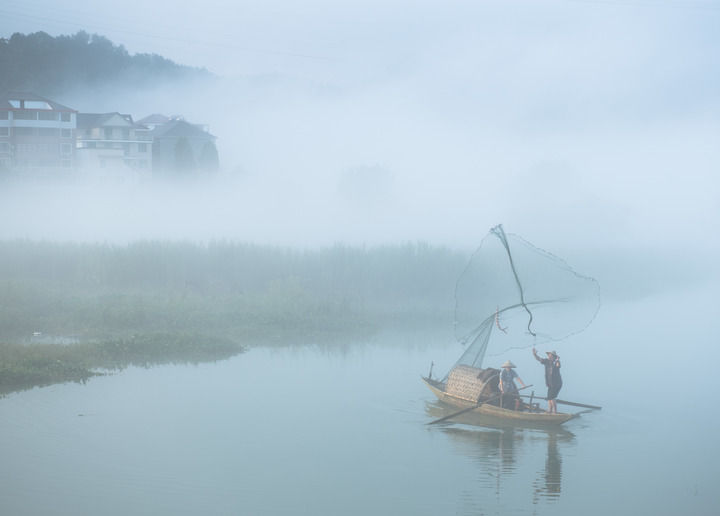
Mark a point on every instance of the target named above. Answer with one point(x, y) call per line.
point(508, 364)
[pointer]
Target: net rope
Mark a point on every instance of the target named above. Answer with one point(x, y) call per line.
point(513, 295)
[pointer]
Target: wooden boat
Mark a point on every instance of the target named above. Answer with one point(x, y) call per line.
point(488, 409)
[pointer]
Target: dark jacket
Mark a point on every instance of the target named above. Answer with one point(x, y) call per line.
point(552, 371)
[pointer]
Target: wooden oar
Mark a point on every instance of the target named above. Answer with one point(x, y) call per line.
point(563, 402)
point(470, 408)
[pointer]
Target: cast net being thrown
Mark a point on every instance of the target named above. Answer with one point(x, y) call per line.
point(514, 295)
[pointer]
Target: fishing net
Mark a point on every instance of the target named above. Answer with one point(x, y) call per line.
point(514, 295)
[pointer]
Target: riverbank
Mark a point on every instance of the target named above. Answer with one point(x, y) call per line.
point(71, 311)
point(24, 366)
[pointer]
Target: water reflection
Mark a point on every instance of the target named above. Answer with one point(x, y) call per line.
point(549, 481)
point(504, 452)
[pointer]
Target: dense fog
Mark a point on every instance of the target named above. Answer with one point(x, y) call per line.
point(576, 124)
point(365, 150)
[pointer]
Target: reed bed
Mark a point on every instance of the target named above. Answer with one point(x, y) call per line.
point(68, 309)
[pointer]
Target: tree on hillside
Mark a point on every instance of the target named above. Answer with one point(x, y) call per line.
point(184, 158)
point(49, 65)
point(209, 158)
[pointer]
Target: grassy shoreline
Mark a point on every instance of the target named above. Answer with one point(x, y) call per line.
point(154, 302)
point(24, 366)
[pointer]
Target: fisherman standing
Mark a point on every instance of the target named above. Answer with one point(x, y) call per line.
point(553, 380)
point(507, 384)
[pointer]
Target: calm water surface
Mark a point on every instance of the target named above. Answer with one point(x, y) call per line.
point(341, 430)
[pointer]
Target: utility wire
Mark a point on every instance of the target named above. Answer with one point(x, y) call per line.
point(670, 4)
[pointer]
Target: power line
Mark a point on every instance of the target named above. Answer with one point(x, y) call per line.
point(670, 4)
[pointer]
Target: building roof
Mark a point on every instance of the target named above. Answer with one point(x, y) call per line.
point(22, 96)
point(88, 120)
point(180, 129)
point(155, 118)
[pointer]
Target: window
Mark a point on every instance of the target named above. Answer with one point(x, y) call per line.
point(46, 131)
point(25, 115)
point(36, 104)
point(108, 133)
point(24, 131)
point(4, 131)
point(4, 147)
point(47, 115)
point(64, 117)
point(125, 134)
point(3, 115)
point(142, 147)
point(66, 133)
point(37, 149)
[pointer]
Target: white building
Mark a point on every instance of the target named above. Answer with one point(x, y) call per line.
point(37, 135)
point(114, 142)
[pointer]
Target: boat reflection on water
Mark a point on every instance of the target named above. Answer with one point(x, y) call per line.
point(550, 482)
point(504, 451)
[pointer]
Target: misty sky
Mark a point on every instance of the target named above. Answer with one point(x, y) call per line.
point(583, 121)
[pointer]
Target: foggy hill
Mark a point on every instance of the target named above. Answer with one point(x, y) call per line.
point(50, 65)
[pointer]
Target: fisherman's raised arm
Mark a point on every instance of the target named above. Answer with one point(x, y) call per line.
point(536, 355)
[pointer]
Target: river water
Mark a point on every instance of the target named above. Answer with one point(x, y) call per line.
point(341, 429)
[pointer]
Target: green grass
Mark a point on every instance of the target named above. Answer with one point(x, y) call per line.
point(26, 366)
point(153, 302)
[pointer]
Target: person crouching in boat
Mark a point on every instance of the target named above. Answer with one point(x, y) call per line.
point(507, 386)
point(553, 380)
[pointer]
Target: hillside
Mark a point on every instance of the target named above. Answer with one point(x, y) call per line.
point(50, 65)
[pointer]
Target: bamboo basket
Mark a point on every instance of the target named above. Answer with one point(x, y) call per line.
point(471, 383)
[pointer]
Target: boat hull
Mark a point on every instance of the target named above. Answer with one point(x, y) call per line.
point(534, 418)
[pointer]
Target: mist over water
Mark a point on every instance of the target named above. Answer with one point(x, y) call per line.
point(587, 128)
point(342, 428)
point(282, 195)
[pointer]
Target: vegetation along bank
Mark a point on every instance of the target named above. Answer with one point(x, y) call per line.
point(70, 311)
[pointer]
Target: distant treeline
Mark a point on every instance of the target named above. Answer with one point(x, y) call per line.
point(93, 291)
point(49, 65)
